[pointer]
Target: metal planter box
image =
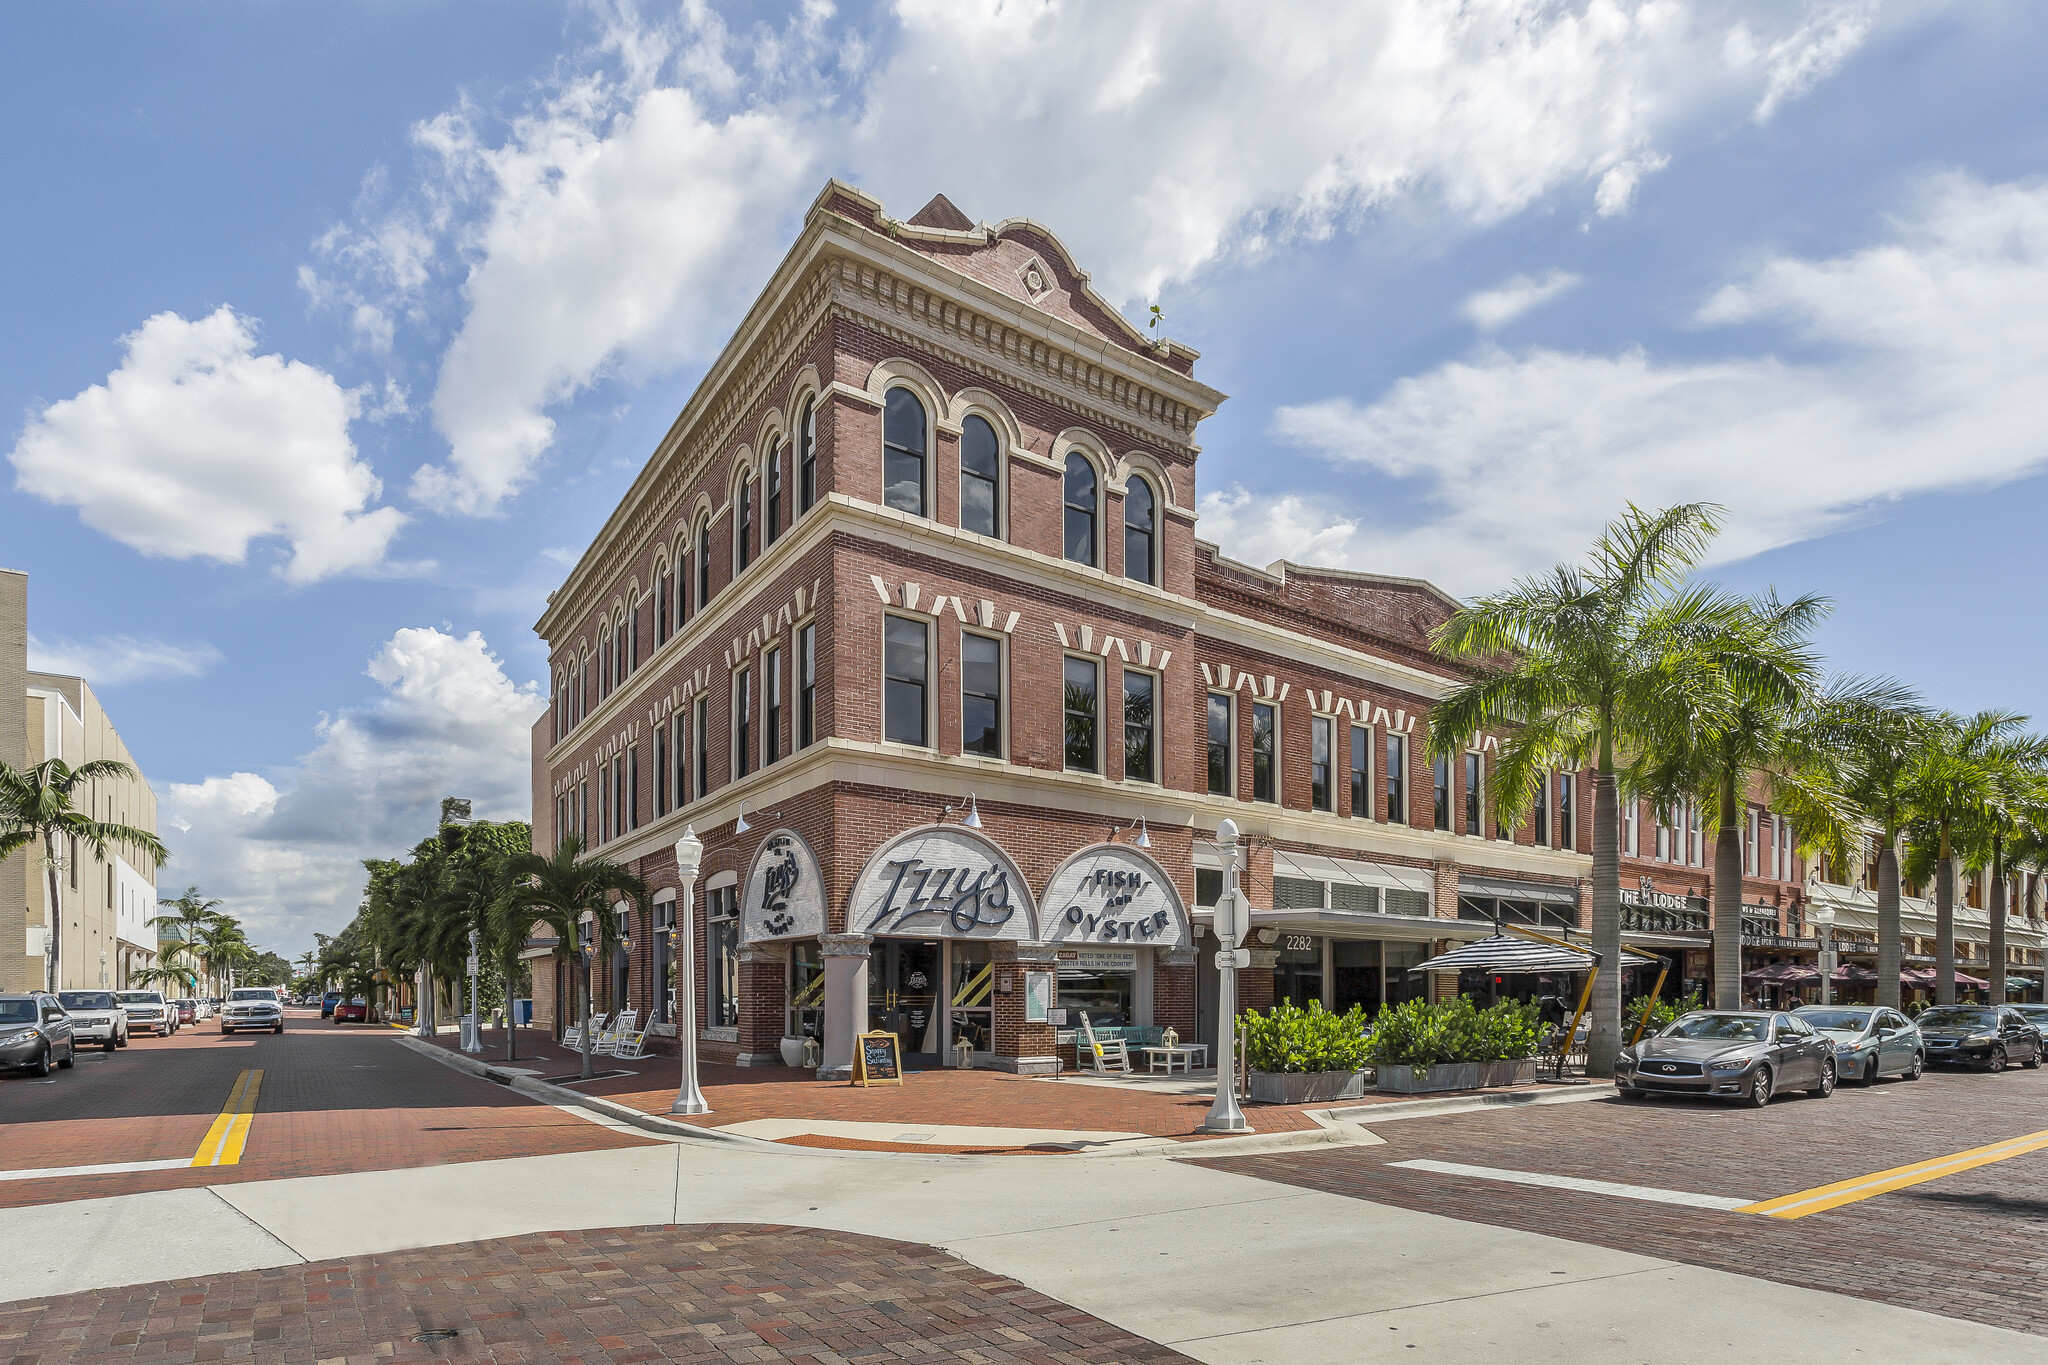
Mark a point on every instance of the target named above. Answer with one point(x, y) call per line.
point(1406, 1080)
point(1306, 1087)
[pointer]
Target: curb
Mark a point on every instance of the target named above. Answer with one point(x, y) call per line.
point(1465, 1104)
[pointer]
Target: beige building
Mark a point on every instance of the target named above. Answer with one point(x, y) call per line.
point(100, 935)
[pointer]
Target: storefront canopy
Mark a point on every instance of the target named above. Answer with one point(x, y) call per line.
point(1504, 888)
point(1510, 953)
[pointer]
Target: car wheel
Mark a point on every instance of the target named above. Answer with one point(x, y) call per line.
point(70, 1056)
point(1759, 1093)
point(1996, 1063)
point(42, 1063)
point(1628, 1092)
point(1870, 1076)
point(2033, 1063)
point(1827, 1081)
point(278, 1029)
point(109, 1045)
point(1918, 1068)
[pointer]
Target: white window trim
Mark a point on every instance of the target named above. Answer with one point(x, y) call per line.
point(1373, 761)
point(1279, 796)
point(1340, 759)
point(1002, 431)
point(1099, 464)
point(1229, 791)
point(931, 669)
point(1158, 757)
point(931, 407)
point(1101, 746)
point(742, 677)
point(1002, 644)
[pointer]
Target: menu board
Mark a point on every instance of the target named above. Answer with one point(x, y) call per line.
point(876, 1060)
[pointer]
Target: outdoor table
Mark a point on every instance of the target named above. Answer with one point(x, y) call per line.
point(1182, 1053)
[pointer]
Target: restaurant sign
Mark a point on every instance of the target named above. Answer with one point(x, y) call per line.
point(1112, 893)
point(785, 895)
point(942, 881)
point(1645, 909)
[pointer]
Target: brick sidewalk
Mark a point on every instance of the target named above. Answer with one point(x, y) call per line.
point(992, 1099)
point(693, 1293)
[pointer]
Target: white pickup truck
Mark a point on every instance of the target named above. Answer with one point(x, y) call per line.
point(252, 1007)
point(96, 1017)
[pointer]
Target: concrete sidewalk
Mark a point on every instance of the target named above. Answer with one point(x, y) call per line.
point(1223, 1267)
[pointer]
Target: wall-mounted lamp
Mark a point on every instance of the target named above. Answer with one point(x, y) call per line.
point(972, 820)
point(742, 827)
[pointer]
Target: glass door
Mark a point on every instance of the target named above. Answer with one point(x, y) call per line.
point(903, 995)
point(971, 996)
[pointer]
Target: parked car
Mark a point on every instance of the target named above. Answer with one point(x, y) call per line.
point(2037, 1015)
point(188, 1011)
point(1984, 1036)
point(1746, 1055)
point(96, 1017)
point(203, 1008)
point(328, 1002)
point(252, 1007)
point(1870, 1041)
point(354, 1010)
point(35, 1031)
point(148, 1012)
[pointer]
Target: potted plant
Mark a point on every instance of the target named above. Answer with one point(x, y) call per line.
point(793, 1050)
point(1300, 1056)
point(1418, 1047)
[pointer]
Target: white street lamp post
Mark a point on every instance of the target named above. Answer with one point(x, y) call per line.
point(689, 854)
point(473, 1026)
point(1233, 918)
point(1822, 917)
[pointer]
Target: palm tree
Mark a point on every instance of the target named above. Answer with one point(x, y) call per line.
point(559, 891)
point(1957, 774)
point(2014, 804)
point(191, 914)
point(39, 804)
point(1876, 729)
point(1756, 721)
point(1584, 667)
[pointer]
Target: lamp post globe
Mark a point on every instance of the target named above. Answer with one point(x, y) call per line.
point(689, 857)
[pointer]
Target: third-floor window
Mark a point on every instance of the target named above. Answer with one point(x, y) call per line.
point(903, 451)
point(1220, 735)
point(1080, 509)
point(773, 503)
point(807, 459)
point(743, 527)
point(1140, 518)
point(980, 477)
point(1265, 752)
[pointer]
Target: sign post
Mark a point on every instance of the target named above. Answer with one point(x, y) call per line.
point(1233, 918)
point(689, 856)
point(472, 1023)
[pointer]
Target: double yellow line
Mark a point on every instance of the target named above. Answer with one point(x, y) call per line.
point(1826, 1197)
point(223, 1143)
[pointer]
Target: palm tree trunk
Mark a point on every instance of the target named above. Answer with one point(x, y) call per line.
point(54, 913)
point(511, 1024)
point(1945, 926)
point(1888, 959)
point(1997, 947)
point(1603, 1040)
point(1728, 903)
point(583, 987)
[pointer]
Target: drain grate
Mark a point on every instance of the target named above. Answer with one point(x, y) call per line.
point(434, 1334)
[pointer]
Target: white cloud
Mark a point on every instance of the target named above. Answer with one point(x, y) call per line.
point(286, 854)
point(197, 445)
point(112, 660)
point(1926, 357)
point(1491, 309)
point(619, 224)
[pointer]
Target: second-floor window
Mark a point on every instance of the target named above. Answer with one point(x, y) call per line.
point(981, 695)
point(1140, 761)
point(1440, 784)
point(1474, 819)
point(1361, 773)
point(679, 760)
point(659, 772)
point(1079, 543)
point(1265, 752)
point(633, 787)
point(703, 564)
point(742, 722)
point(1078, 686)
point(903, 450)
point(1321, 793)
point(1539, 812)
point(1140, 522)
point(1220, 736)
point(1567, 810)
point(702, 728)
point(771, 683)
point(1397, 778)
point(980, 475)
point(906, 675)
point(807, 685)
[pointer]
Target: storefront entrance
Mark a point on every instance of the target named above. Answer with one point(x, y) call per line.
point(903, 997)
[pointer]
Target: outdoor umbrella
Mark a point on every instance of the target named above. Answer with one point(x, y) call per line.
point(1509, 953)
point(1852, 974)
point(1783, 974)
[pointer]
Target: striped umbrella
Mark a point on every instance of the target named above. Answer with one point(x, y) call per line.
point(1510, 953)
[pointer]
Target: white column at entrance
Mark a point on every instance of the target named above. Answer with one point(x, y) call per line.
point(846, 999)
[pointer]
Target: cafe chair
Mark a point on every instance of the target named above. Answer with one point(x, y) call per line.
point(1110, 1058)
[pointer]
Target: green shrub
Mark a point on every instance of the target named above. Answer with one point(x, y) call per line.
point(1289, 1038)
point(1419, 1034)
point(1662, 1012)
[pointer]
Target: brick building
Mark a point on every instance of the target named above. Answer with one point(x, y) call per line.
point(906, 616)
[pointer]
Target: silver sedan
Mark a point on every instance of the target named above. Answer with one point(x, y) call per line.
point(1870, 1041)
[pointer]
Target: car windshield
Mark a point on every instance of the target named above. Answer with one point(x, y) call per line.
point(17, 1011)
point(1954, 1016)
point(1739, 1028)
point(251, 993)
point(139, 998)
point(85, 1000)
point(1841, 1021)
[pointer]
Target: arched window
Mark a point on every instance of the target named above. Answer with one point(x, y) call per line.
point(622, 662)
point(682, 586)
point(774, 508)
point(903, 453)
point(703, 564)
point(604, 662)
point(1080, 546)
point(662, 623)
point(743, 527)
point(807, 458)
point(1140, 518)
point(980, 472)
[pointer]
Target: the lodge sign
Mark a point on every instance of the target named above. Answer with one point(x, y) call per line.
point(942, 881)
point(785, 895)
point(1645, 909)
point(1112, 893)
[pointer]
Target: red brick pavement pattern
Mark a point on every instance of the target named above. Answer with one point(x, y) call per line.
point(333, 1099)
point(695, 1293)
point(945, 1096)
point(1972, 1245)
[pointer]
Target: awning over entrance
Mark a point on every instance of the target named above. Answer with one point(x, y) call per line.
point(1510, 953)
point(1506, 888)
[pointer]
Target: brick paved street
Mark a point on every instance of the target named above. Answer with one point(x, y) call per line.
point(1973, 1245)
point(333, 1098)
point(702, 1293)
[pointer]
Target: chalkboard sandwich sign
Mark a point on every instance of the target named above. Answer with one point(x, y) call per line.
point(877, 1061)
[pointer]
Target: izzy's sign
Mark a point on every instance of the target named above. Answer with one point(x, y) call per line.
point(943, 882)
point(785, 895)
point(1114, 894)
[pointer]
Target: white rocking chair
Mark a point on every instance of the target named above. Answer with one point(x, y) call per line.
point(631, 1044)
point(608, 1039)
point(572, 1034)
point(1110, 1058)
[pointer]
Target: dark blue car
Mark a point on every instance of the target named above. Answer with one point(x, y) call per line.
point(328, 1002)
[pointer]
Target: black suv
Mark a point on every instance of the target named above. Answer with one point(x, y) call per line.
point(1985, 1036)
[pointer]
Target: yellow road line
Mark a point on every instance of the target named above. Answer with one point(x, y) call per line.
point(222, 1145)
point(1898, 1178)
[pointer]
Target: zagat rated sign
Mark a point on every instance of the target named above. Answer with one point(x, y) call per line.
point(943, 882)
point(1114, 894)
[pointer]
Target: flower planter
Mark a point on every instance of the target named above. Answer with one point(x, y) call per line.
point(1408, 1080)
point(1306, 1087)
point(793, 1051)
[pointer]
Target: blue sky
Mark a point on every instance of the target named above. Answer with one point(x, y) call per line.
point(332, 333)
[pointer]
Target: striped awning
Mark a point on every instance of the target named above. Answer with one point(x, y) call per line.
point(1508, 953)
